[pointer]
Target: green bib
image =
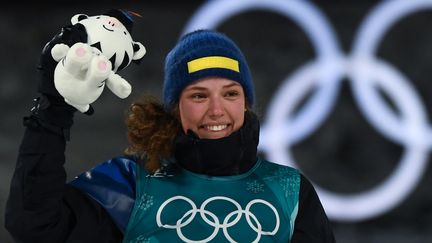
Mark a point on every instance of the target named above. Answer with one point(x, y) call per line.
point(258, 206)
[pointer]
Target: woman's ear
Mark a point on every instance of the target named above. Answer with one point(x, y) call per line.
point(175, 112)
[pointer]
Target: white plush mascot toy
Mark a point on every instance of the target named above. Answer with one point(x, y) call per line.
point(84, 68)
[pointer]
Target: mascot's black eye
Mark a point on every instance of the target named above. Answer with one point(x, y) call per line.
point(98, 17)
point(125, 32)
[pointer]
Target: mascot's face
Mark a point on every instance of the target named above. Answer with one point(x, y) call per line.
point(111, 37)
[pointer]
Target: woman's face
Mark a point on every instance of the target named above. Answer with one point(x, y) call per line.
point(212, 107)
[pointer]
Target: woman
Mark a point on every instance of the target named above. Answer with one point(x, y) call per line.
point(191, 172)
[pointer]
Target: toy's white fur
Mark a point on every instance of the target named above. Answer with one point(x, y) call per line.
point(82, 71)
point(81, 75)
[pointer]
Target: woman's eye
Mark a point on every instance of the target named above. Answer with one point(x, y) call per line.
point(198, 96)
point(232, 94)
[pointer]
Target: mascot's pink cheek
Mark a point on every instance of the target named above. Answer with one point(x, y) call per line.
point(80, 52)
point(102, 65)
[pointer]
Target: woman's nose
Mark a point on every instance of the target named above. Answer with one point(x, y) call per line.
point(216, 107)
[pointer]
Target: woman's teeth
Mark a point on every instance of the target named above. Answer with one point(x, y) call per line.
point(216, 128)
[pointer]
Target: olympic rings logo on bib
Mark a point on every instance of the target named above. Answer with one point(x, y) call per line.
point(212, 220)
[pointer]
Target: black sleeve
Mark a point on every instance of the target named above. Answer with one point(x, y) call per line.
point(41, 207)
point(312, 224)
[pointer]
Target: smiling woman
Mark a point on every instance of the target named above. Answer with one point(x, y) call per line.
point(191, 172)
point(211, 156)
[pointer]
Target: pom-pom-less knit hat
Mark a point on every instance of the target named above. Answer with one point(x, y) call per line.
point(200, 54)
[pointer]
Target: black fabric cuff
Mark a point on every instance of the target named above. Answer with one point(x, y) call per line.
point(35, 123)
point(51, 114)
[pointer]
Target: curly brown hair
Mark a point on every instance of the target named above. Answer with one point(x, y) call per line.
point(151, 131)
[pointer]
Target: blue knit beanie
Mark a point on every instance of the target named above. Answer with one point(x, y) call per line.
point(200, 54)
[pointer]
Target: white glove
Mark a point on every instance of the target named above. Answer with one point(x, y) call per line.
point(81, 74)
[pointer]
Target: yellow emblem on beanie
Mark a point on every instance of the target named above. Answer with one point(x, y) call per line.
point(213, 62)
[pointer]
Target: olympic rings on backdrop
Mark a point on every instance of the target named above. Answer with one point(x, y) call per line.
point(366, 73)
